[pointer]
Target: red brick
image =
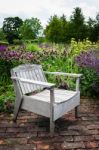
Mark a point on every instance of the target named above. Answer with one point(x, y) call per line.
point(43, 134)
point(71, 145)
point(83, 138)
point(97, 137)
point(56, 146)
point(93, 126)
point(15, 130)
point(43, 146)
point(91, 144)
point(13, 141)
point(32, 131)
point(69, 132)
point(25, 147)
point(7, 135)
point(61, 139)
point(2, 130)
point(27, 135)
point(6, 147)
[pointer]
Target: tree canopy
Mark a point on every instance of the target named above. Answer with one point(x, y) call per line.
point(11, 27)
point(53, 29)
point(31, 28)
point(58, 28)
point(61, 30)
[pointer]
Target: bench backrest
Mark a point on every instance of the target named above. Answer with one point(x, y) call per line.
point(29, 71)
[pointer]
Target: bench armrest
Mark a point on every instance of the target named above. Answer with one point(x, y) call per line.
point(45, 84)
point(64, 74)
point(77, 76)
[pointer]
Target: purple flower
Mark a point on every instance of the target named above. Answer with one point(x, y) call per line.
point(2, 48)
point(89, 59)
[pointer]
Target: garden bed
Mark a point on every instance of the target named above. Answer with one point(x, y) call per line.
point(81, 57)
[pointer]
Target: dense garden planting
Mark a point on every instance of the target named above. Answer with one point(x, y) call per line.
point(81, 57)
point(54, 48)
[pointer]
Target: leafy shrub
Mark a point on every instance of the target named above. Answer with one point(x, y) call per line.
point(7, 98)
point(17, 42)
point(10, 59)
point(32, 47)
point(78, 47)
point(4, 43)
point(53, 57)
point(89, 66)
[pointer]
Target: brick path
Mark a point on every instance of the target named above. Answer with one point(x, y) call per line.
point(31, 132)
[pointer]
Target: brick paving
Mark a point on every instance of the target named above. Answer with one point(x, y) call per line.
point(31, 132)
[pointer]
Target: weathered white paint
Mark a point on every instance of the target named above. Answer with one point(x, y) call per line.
point(52, 103)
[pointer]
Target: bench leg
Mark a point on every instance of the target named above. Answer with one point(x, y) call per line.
point(52, 126)
point(76, 112)
point(18, 103)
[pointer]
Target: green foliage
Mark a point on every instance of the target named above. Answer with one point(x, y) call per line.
point(17, 42)
point(5, 68)
point(11, 27)
point(30, 29)
point(64, 29)
point(60, 30)
point(91, 23)
point(77, 18)
point(53, 57)
point(4, 43)
point(53, 29)
point(2, 35)
point(7, 98)
point(77, 26)
point(32, 47)
point(42, 40)
point(78, 47)
point(89, 76)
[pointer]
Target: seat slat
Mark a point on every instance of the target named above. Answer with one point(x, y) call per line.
point(60, 95)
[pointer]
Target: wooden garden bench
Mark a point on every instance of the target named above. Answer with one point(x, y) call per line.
point(48, 101)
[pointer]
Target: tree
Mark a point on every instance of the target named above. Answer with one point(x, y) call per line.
point(96, 32)
point(53, 30)
point(64, 28)
point(97, 17)
point(31, 28)
point(2, 35)
point(11, 27)
point(93, 28)
point(91, 24)
point(97, 27)
point(78, 28)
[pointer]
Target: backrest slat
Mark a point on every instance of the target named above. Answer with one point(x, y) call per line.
point(29, 71)
point(32, 86)
point(21, 84)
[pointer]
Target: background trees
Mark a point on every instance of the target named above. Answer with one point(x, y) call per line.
point(11, 27)
point(77, 27)
point(53, 29)
point(2, 35)
point(61, 30)
point(58, 29)
point(31, 28)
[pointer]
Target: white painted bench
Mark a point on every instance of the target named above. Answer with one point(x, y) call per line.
point(48, 101)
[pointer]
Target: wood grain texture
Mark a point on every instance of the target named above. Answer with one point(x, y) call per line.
point(64, 74)
point(51, 102)
point(28, 71)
